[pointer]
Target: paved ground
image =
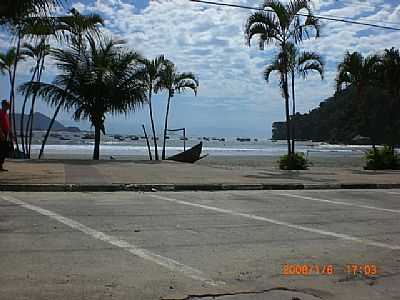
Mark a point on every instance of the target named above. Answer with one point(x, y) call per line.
point(199, 245)
point(167, 172)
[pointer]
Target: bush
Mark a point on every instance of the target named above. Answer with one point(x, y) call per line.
point(382, 159)
point(297, 162)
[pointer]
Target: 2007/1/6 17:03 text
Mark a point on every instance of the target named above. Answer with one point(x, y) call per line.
point(329, 269)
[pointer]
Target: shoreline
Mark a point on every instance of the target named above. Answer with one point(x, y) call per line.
point(236, 162)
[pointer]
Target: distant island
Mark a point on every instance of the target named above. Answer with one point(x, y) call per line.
point(336, 120)
point(41, 123)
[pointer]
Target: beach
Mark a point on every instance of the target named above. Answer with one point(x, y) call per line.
point(229, 153)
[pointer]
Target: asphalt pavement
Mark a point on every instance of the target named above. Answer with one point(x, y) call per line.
point(236, 245)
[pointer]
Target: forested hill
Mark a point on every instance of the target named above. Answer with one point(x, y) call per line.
point(339, 119)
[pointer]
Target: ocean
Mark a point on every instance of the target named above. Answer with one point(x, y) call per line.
point(61, 144)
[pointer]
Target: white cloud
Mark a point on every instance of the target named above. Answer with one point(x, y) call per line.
point(209, 41)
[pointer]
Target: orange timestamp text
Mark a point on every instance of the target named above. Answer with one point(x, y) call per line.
point(307, 269)
point(329, 269)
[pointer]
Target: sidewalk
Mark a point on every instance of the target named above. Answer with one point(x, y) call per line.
point(75, 175)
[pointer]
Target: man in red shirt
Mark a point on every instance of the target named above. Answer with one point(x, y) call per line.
point(4, 132)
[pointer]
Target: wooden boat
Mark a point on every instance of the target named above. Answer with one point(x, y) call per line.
point(189, 156)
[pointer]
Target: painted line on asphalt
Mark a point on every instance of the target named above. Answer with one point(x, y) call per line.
point(281, 223)
point(166, 262)
point(393, 193)
point(335, 202)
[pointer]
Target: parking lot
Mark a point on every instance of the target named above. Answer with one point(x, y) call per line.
point(316, 244)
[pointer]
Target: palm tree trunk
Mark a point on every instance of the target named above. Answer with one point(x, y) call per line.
point(293, 113)
point(284, 79)
point(24, 141)
point(32, 111)
point(166, 125)
point(49, 129)
point(97, 135)
point(28, 137)
point(12, 92)
point(152, 126)
point(288, 127)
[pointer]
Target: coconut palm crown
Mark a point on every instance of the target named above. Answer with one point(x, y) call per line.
point(105, 79)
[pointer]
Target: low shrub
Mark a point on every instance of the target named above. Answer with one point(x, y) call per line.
point(382, 159)
point(296, 162)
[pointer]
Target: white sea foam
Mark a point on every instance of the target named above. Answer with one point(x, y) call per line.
point(267, 149)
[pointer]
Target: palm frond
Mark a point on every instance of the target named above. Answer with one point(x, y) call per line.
point(265, 26)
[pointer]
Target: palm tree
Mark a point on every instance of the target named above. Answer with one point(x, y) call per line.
point(172, 81)
point(280, 24)
point(73, 29)
point(106, 79)
point(151, 71)
point(36, 52)
point(8, 64)
point(300, 64)
point(360, 73)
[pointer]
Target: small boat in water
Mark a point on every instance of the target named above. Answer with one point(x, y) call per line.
point(119, 137)
point(134, 138)
point(88, 136)
point(189, 156)
point(243, 139)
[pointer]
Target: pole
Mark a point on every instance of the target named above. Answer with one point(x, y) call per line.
point(147, 140)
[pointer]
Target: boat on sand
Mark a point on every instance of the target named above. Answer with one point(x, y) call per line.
point(189, 156)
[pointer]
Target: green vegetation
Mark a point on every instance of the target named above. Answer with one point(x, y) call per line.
point(337, 121)
point(296, 162)
point(382, 159)
point(105, 80)
point(363, 110)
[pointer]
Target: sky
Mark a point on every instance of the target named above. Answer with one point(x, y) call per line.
point(233, 98)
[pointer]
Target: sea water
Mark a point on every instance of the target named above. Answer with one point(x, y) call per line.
point(231, 147)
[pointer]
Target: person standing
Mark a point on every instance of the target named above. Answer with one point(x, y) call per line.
point(4, 133)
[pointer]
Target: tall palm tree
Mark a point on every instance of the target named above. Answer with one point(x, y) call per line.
point(300, 63)
point(75, 29)
point(106, 79)
point(361, 73)
point(36, 52)
point(45, 51)
point(280, 24)
point(8, 65)
point(152, 71)
point(172, 81)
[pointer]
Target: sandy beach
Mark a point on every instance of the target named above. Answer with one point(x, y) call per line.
point(240, 162)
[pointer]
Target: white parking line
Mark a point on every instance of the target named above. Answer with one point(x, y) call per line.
point(335, 202)
point(281, 223)
point(393, 193)
point(166, 262)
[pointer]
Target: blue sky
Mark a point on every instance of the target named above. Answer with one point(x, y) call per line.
point(233, 98)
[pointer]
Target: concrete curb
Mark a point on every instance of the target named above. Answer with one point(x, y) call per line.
point(187, 187)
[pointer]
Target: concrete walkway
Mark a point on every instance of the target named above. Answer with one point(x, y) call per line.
point(169, 175)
